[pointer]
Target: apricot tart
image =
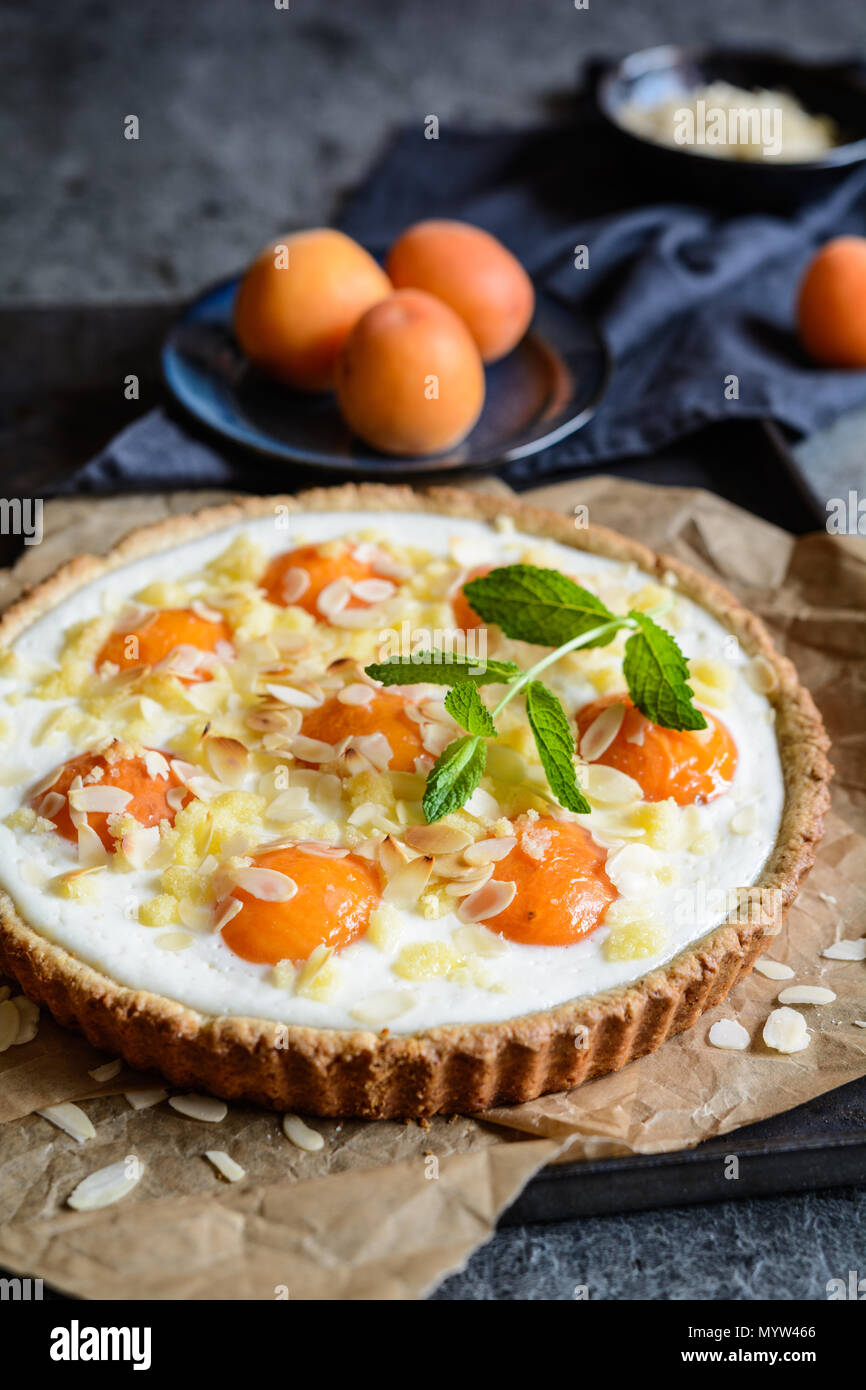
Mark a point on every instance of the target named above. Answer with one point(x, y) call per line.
point(237, 847)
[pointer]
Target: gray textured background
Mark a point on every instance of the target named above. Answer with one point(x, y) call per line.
point(253, 119)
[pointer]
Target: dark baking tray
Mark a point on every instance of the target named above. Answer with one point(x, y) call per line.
point(817, 1145)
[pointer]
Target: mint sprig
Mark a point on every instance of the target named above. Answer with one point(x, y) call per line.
point(656, 673)
point(464, 705)
point(548, 609)
point(454, 776)
point(440, 668)
point(555, 743)
point(536, 605)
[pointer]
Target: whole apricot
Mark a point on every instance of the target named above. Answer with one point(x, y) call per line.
point(831, 310)
point(410, 379)
point(471, 271)
point(298, 301)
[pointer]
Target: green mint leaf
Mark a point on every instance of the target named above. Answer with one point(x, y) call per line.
point(454, 776)
point(657, 673)
point(537, 605)
point(437, 668)
point(463, 703)
point(555, 742)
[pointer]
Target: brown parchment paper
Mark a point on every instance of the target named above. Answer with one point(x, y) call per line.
point(386, 1210)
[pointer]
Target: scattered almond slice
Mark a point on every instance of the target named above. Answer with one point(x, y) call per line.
point(97, 798)
point(266, 885)
point(860, 1022)
point(609, 785)
point(773, 969)
point(143, 1100)
point(357, 693)
point(225, 1165)
point(312, 750)
point(437, 838)
point(205, 1108)
point(727, 1033)
point(225, 911)
point(140, 844)
point(71, 1119)
point(743, 821)
point(296, 582)
point(487, 902)
point(490, 851)
point(477, 940)
point(92, 853)
point(228, 758)
point(806, 994)
point(846, 949)
point(306, 695)
point(383, 1006)
point(785, 1031)
point(301, 1135)
point(105, 1186)
point(602, 732)
point(408, 883)
point(107, 1072)
point(173, 941)
point(28, 1014)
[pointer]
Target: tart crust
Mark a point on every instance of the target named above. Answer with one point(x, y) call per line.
point(454, 1068)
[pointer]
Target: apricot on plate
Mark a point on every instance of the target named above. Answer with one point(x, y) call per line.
point(410, 379)
point(474, 273)
point(298, 301)
point(831, 309)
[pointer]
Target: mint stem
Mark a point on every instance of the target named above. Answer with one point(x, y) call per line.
point(581, 641)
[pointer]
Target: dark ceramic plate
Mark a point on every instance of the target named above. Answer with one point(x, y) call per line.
point(661, 74)
point(547, 388)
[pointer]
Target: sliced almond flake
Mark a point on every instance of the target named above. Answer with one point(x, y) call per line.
point(477, 940)
point(460, 888)
point(105, 1186)
point(301, 1135)
point(296, 582)
point(437, 838)
point(10, 1022)
point(51, 805)
point(306, 696)
point(140, 844)
point(28, 1014)
point(46, 783)
point(435, 738)
point(487, 902)
point(435, 710)
point(205, 788)
point(376, 748)
point(269, 720)
point(638, 729)
point(312, 750)
point(727, 1033)
point(373, 590)
point(860, 1022)
point(205, 1108)
point(762, 675)
point(225, 1165)
point(107, 1072)
point(322, 850)
point(203, 610)
point(454, 866)
point(289, 804)
point(602, 732)
point(228, 758)
point(334, 597)
point(195, 916)
point(829, 899)
point(143, 1100)
point(71, 1119)
point(225, 911)
point(785, 1031)
point(156, 764)
point(393, 854)
point(483, 805)
point(175, 797)
point(355, 618)
point(773, 969)
point(174, 941)
point(408, 883)
point(356, 694)
point(490, 851)
point(91, 851)
point(266, 885)
point(846, 949)
point(806, 994)
point(109, 800)
point(608, 784)
point(383, 1006)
